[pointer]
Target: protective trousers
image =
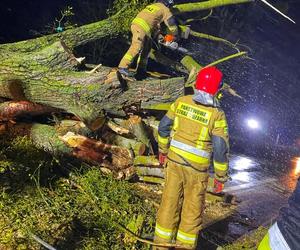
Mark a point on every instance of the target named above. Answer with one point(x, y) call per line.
point(179, 216)
point(140, 44)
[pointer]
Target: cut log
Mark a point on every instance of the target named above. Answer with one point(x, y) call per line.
point(146, 161)
point(137, 128)
point(151, 179)
point(14, 109)
point(138, 148)
point(53, 139)
point(147, 171)
point(97, 151)
point(117, 129)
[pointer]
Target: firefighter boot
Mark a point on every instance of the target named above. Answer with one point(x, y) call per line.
point(141, 74)
point(125, 72)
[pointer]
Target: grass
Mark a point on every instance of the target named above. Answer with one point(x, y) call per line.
point(84, 210)
point(70, 205)
point(249, 241)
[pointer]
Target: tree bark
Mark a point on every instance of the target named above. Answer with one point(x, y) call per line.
point(88, 96)
point(192, 7)
point(14, 109)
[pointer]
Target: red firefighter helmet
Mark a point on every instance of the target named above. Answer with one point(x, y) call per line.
point(209, 80)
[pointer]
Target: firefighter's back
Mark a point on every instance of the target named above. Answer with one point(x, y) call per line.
point(154, 14)
point(192, 131)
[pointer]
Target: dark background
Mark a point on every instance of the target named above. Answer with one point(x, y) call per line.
point(269, 81)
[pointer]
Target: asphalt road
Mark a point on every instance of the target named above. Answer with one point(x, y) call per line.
point(262, 187)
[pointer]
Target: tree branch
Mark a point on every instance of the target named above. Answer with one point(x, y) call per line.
point(192, 7)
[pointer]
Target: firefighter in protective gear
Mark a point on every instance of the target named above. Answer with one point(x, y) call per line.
point(193, 129)
point(144, 27)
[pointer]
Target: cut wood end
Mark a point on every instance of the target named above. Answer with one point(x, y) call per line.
point(134, 119)
point(97, 124)
point(72, 140)
point(119, 130)
point(79, 59)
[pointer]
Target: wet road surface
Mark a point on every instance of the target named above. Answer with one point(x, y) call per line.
point(262, 187)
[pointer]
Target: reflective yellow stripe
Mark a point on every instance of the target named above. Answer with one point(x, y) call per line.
point(202, 137)
point(138, 60)
point(172, 108)
point(190, 149)
point(221, 166)
point(143, 24)
point(190, 156)
point(276, 240)
point(221, 124)
point(164, 232)
point(152, 8)
point(128, 57)
point(175, 127)
point(186, 238)
point(176, 123)
point(163, 140)
point(264, 244)
point(193, 113)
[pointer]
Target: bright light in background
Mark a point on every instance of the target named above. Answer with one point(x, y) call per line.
point(252, 123)
point(241, 176)
point(297, 165)
point(242, 163)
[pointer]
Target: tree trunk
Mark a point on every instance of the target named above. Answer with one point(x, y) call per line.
point(65, 139)
point(87, 96)
point(14, 109)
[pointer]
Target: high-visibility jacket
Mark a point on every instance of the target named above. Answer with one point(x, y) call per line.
point(285, 233)
point(190, 132)
point(150, 18)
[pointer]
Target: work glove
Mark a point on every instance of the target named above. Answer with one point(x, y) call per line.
point(162, 158)
point(222, 179)
point(218, 186)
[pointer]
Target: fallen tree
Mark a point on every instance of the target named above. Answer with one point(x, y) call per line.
point(43, 75)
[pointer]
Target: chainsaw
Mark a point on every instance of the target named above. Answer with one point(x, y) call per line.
point(168, 41)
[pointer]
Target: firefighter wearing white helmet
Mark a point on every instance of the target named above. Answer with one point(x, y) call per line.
point(144, 27)
point(193, 129)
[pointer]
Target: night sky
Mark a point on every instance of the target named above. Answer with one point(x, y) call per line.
point(269, 82)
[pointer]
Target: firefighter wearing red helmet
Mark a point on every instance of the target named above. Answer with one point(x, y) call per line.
point(193, 129)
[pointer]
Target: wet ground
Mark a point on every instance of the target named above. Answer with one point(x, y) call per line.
point(262, 187)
